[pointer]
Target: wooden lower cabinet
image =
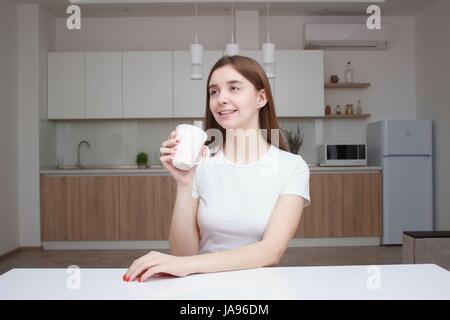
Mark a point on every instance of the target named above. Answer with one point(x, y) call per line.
point(343, 205)
point(146, 204)
point(141, 207)
point(324, 216)
point(362, 205)
point(106, 207)
point(79, 208)
point(99, 207)
point(60, 208)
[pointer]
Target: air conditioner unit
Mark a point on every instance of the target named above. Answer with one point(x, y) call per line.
point(346, 37)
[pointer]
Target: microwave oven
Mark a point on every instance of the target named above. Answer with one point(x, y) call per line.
point(343, 154)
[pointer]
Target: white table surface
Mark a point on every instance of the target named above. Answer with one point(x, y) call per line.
point(416, 281)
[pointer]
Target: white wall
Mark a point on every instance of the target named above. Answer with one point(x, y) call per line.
point(28, 121)
point(433, 96)
point(35, 34)
point(9, 212)
point(47, 129)
point(391, 72)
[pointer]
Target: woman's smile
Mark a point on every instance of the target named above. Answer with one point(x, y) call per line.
point(227, 114)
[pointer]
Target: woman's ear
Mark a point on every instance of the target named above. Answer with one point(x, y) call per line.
point(262, 98)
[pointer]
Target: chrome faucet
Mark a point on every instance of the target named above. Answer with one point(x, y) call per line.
point(78, 164)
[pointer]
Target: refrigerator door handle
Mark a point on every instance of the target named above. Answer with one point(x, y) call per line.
point(406, 155)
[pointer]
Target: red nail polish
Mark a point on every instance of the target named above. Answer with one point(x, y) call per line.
point(124, 278)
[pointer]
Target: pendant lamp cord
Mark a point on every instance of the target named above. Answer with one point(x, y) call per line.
point(268, 25)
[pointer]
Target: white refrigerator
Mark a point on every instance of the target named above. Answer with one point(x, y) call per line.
point(403, 148)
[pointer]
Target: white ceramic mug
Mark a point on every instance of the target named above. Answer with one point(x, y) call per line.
point(189, 148)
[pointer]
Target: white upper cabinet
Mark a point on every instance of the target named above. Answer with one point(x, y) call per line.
point(103, 85)
point(65, 85)
point(189, 96)
point(299, 83)
point(157, 84)
point(147, 84)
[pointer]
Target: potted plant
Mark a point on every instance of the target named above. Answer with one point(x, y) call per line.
point(142, 160)
point(294, 138)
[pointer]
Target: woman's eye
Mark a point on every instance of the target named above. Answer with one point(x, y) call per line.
point(212, 92)
point(234, 88)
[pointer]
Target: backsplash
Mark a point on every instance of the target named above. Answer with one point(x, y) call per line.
point(117, 142)
point(113, 142)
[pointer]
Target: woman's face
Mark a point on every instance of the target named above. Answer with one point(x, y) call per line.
point(229, 91)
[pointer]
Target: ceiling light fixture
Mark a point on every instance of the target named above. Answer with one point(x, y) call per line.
point(268, 51)
point(232, 49)
point(196, 53)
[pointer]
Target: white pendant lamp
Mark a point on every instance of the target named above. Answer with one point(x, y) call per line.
point(196, 53)
point(232, 49)
point(268, 51)
point(196, 61)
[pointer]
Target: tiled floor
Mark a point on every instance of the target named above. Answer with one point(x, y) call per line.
point(123, 258)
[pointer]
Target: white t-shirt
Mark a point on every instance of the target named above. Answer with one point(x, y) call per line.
point(236, 201)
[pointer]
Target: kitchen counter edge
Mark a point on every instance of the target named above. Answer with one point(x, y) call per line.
point(163, 171)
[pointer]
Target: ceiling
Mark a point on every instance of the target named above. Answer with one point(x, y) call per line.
point(135, 8)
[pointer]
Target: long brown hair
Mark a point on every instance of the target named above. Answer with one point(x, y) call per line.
point(253, 72)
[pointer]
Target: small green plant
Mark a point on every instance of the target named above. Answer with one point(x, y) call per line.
point(295, 138)
point(142, 159)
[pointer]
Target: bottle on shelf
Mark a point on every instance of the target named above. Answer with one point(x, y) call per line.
point(349, 109)
point(349, 73)
point(359, 107)
point(338, 109)
point(327, 110)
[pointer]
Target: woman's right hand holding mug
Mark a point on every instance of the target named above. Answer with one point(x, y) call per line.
point(167, 152)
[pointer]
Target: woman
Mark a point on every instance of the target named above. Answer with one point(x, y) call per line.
point(232, 213)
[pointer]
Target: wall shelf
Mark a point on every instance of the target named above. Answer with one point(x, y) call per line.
point(346, 85)
point(346, 116)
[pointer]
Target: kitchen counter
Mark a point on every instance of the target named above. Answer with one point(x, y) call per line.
point(316, 168)
point(403, 281)
point(160, 170)
point(157, 170)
